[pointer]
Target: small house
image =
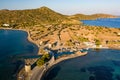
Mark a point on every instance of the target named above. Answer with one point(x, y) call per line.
point(6, 25)
point(118, 34)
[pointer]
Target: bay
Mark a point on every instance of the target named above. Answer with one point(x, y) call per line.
point(14, 45)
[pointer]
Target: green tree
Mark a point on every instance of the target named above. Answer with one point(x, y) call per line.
point(43, 59)
point(97, 42)
point(83, 39)
point(40, 62)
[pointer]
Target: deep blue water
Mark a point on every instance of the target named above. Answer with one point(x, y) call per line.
point(101, 64)
point(14, 46)
point(106, 22)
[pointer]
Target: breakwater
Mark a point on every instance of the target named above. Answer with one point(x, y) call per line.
point(37, 72)
point(102, 64)
point(54, 62)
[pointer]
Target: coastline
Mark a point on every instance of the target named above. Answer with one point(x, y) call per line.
point(57, 61)
point(109, 47)
point(28, 36)
point(21, 68)
point(69, 57)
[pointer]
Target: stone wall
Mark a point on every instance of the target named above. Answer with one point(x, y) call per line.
point(46, 66)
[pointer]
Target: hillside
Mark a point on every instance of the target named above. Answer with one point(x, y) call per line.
point(47, 26)
point(31, 17)
point(89, 17)
point(42, 16)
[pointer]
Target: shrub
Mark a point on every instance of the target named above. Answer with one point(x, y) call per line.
point(43, 59)
point(97, 42)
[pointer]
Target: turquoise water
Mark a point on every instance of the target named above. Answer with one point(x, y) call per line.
point(106, 22)
point(14, 46)
point(102, 64)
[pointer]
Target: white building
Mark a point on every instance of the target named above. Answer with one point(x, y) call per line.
point(118, 34)
point(6, 25)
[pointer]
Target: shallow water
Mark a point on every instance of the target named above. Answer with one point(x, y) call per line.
point(102, 64)
point(13, 47)
point(106, 22)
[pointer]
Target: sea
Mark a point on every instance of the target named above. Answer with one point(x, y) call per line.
point(104, 22)
point(100, 64)
point(14, 47)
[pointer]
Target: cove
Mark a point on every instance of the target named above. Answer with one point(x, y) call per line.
point(14, 46)
point(103, 64)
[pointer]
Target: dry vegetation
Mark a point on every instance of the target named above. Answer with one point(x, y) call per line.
point(48, 26)
point(68, 34)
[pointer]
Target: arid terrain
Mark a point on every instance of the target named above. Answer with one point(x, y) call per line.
point(51, 29)
point(68, 35)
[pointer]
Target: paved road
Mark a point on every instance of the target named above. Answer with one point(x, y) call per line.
point(36, 73)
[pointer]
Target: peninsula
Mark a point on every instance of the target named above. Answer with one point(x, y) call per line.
point(54, 31)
